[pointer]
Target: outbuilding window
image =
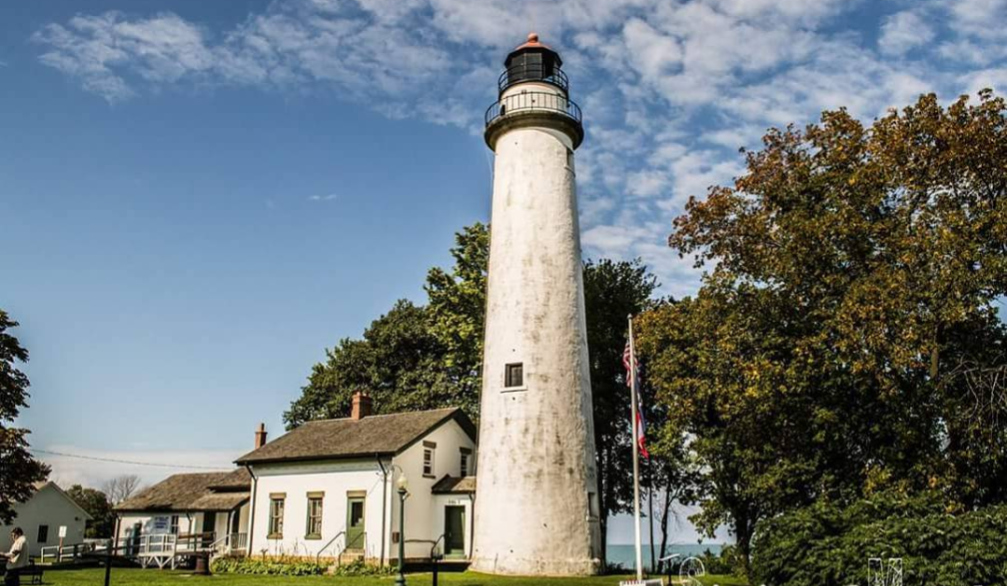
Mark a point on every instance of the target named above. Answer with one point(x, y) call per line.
point(43, 534)
point(514, 375)
point(276, 505)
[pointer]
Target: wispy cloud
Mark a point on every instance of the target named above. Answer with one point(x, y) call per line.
point(329, 197)
point(671, 89)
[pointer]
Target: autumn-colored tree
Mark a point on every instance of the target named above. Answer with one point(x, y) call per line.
point(846, 338)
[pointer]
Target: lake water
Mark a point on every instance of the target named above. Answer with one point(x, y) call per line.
point(626, 554)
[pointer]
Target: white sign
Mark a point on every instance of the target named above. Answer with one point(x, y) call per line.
point(62, 531)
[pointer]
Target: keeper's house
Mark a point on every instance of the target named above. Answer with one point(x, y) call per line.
point(330, 489)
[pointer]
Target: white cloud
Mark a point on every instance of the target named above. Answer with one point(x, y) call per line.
point(903, 32)
point(979, 18)
point(327, 197)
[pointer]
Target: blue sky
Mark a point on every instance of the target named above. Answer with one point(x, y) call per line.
point(199, 197)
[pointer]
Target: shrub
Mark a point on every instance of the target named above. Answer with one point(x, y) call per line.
point(726, 562)
point(267, 566)
point(362, 568)
point(828, 545)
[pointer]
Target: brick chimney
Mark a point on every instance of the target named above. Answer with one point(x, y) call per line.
point(260, 436)
point(362, 405)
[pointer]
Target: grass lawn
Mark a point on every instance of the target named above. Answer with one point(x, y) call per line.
point(131, 577)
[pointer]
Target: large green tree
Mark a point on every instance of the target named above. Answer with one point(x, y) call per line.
point(846, 338)
point(18, 470)
point(97, 504)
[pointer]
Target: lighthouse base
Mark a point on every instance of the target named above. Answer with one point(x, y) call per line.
point(509, 565)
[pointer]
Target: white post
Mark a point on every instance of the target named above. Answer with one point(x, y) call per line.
point(636, 455)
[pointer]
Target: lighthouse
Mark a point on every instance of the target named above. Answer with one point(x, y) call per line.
point(536, 512)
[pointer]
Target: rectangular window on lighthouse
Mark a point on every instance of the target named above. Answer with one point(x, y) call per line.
point(514, 375)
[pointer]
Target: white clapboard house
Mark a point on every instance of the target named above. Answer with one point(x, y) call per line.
point(329, 489)
point(47, 513)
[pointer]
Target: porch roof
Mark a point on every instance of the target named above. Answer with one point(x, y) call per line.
point(188, 493)
point(367, 437)
point(455, 485)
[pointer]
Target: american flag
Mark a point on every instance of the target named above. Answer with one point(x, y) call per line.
point(633, 374)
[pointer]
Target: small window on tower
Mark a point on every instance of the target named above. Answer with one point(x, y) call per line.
point(514, 375)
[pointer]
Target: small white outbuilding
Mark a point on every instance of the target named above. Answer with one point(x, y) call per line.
point(43, 516)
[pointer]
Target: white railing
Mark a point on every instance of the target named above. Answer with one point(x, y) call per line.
point(230, 543)
point(239, 542)
point(157, 544)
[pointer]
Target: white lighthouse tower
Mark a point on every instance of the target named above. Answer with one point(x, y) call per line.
point(536, 512)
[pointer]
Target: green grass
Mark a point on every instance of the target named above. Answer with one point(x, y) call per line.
point(131, 577)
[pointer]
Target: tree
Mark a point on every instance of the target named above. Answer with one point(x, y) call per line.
point(398, 362)
point(18, 470)
point(457, 312)
point(854, 273)
point(121, 487)
point(613, 290)
point(96, 503)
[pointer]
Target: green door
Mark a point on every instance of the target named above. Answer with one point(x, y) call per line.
point(454, 531)
point(355, 522)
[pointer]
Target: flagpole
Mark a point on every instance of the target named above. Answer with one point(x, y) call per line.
point(636, 455)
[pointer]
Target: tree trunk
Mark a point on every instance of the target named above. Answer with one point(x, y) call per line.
point(664, 531)
point(743, 532)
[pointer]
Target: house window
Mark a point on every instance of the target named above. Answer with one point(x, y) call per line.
point(276, 502)
point(514, 375)
point(466, 462)
point(428, 459)
point(314, 529)
point(174, 525)
point(43, 534)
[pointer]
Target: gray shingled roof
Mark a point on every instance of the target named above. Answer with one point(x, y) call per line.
point(188, 492)
point(355, 438)
point(455, 485)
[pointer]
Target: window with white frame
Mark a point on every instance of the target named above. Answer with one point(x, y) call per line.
point(428, 459)
point(466, 462)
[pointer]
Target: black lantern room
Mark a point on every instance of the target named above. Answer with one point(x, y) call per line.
point(533, 62)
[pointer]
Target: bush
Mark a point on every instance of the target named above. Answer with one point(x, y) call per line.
point(362, 568)
point(726, 562)
point(267, 566)
point(828, 545)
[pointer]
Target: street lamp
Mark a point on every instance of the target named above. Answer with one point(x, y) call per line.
point(403, 485)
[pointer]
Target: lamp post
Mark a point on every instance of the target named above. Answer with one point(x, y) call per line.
point(403, 484)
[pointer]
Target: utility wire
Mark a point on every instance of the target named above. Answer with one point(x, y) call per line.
point(117, 461)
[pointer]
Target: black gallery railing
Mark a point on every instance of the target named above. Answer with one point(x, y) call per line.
point(526, 102)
